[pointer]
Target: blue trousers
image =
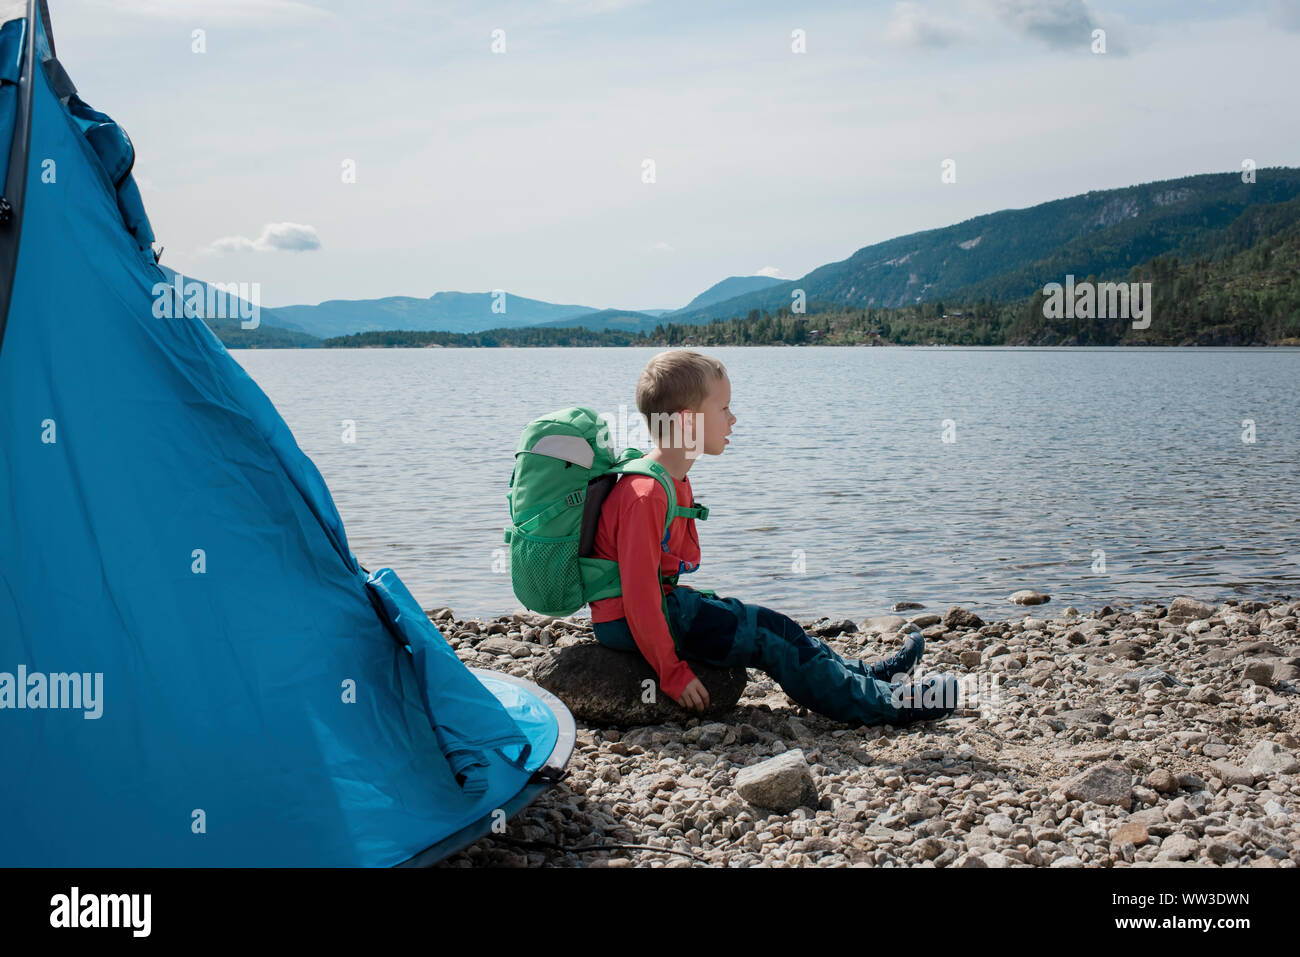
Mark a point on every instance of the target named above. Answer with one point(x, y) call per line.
point(726, 632)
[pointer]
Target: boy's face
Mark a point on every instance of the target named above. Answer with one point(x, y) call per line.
point(712, 421)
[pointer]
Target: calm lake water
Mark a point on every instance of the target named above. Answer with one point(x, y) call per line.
point(838, 494)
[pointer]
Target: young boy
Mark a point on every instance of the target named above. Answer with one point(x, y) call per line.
point(686, 397)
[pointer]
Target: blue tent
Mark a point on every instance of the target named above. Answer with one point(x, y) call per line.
point(194, 669)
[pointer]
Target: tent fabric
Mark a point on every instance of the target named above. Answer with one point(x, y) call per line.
point(265, 700)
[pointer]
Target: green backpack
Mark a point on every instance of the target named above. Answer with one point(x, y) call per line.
point(564, 470)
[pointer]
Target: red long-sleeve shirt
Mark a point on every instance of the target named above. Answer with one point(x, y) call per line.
point(630, 531)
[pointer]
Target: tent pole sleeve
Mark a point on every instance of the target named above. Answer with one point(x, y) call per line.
point(45, 24)
point(16, 186)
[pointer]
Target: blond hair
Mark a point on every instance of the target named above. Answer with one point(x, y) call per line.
point(674, 380)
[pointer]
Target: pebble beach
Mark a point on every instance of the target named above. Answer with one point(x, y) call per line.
point(1159, 735)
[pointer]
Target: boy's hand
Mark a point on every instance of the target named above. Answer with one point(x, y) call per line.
point(694, 696)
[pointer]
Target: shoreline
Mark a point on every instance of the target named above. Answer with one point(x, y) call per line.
point(1280, 344)
point(1148, 736)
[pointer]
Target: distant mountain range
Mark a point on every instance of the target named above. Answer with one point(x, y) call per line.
point(443, 311)
point(473, 312)
point(1001, 256)
point(446, 312)
point(644, 320)
point(729, 289)
point(1009, 254)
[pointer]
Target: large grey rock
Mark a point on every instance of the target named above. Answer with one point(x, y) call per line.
point(1232, 774)
point(1000, 824)
point(958, 617)
point(883, 624)
point(1177, 847)
point(1285, 669)
point(1251, 649)
point(1258, 672)
point(1179, 810)
point(1148, 816)
point(830, 629)
point(499, 645)
point(1105, 783)
point(1259, 835)
point(605, 687)
point(1268, 758)
point(1123, 649)
point(1162, 781)
point(1130, 832)
point(1027, 596)
point(1135, 679)
point(782, 783)
point(1076, 717)
point(1183, 610)
point(917, 807)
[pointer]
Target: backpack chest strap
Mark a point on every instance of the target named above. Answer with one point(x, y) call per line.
point(697, 511)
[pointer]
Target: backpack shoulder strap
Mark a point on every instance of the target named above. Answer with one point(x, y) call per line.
point(643, 466)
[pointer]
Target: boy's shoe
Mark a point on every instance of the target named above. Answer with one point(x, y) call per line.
point(934, 697)
point(900, 662)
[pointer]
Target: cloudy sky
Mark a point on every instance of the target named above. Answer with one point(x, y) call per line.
point(524, 168)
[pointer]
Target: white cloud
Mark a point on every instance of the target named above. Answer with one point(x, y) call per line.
point(287, 236)
point(913, 26)
point(1063, 24)
point(772, 271)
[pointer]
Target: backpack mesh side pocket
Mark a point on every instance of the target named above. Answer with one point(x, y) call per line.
point(544, 573)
